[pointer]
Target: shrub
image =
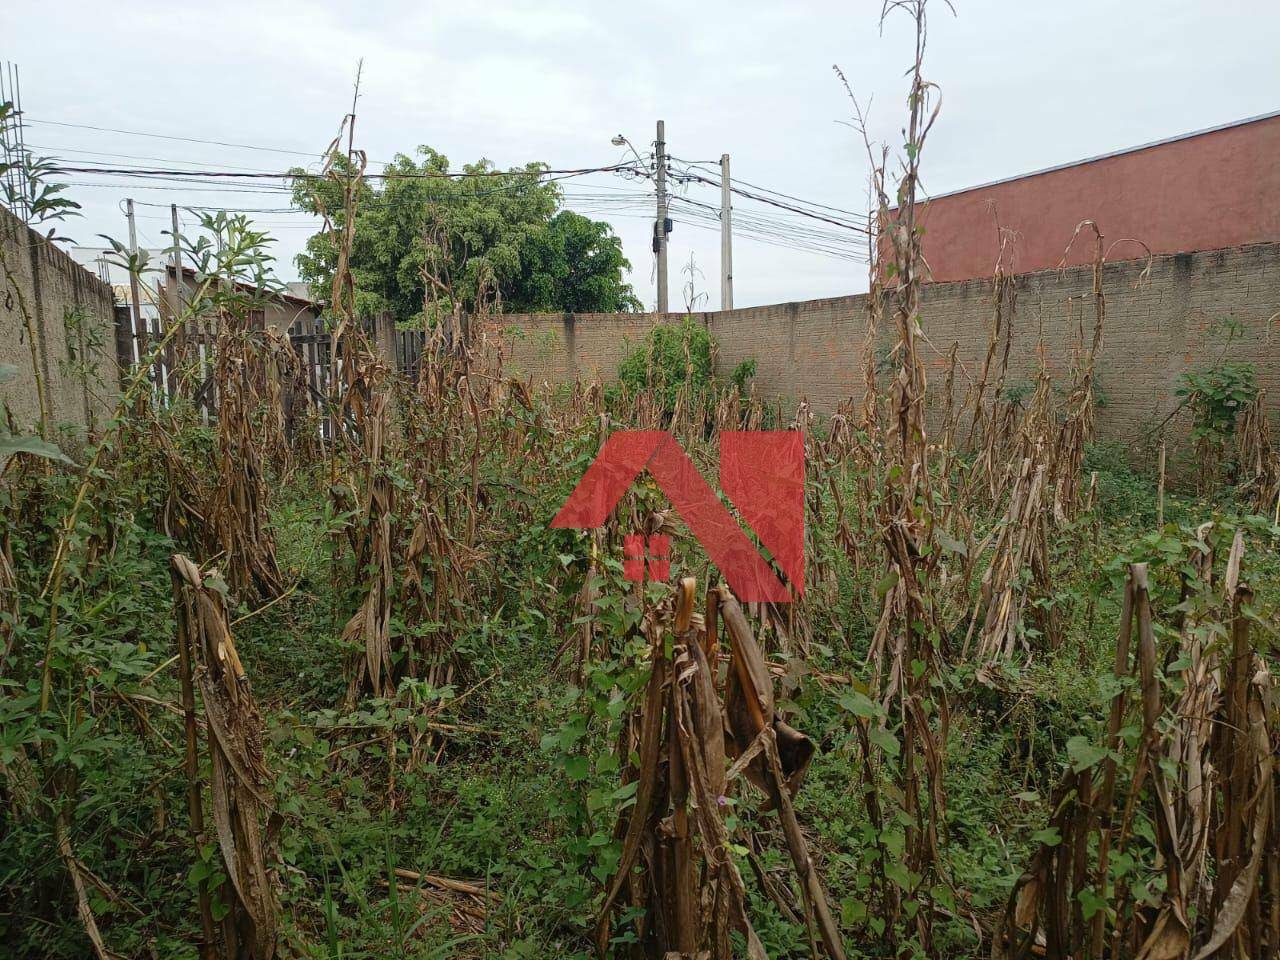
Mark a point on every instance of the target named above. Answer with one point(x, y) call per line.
point(675, 356)
point(1216, 395)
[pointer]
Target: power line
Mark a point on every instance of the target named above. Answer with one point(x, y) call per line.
point(165, 136)
point(806, 208)
point(766, 231)
point(538, 173)
point(55, 151)
point(773, 225)
point(772, 231)
point(691, 175)
point(185, 186)
point(190, 176)
point(244, 146)
point(783, 206)
point(631, 199)
point(777, 193)
point(701, 224)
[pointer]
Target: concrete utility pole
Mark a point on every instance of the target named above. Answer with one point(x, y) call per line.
point(175, 289)
point(726, 237)
point(662, 226)
point(134, 296)
point(175, 299)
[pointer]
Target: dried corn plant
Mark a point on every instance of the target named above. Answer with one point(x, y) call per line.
point(287, 406)
point(907, 646)
point(443, 556)
point(1019, 570)
point(240, 784)
point(361, 456)
point(220, 329)
point(1257, 460)
point(187, 496)
point(1077, 428)
point(1019, 564)
point(984, 424)
point(1203, 776)
point(10, 601)
point(677, 865)
point(364, 409)
point(237, 510)
point(451, 425)
point(1244, 905)
point(583, 640)
point(248, 418)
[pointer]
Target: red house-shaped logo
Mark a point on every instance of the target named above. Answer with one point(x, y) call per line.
point(762, 474)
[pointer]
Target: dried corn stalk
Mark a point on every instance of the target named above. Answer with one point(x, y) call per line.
point(1204, 771)
point(1245, 846)
point(364, 407)
point(1257, 460)
point(237, 509)
point(681, 750)
point(1077, 428)
point(240, 782)
point(9, 603)
point(688, 885)
point(1019, 563)
point(286, 404)
point(1004, 298)
point(909, 638)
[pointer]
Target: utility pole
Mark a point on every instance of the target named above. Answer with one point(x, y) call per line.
point(175, 290)
point(726, 236)
point(661, 226)
point(175, 300)
point(134, 296)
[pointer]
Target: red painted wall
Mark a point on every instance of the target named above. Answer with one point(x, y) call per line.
point(1205, 192)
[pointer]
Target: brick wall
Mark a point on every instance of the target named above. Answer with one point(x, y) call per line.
point(1192, 310)
point(54, 287)
point(560, 348)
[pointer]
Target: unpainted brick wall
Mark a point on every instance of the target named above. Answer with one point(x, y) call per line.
point(1189, 311)
point(53, 286)
point(559, 348)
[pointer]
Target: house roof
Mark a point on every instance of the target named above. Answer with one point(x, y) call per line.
point(282, 296)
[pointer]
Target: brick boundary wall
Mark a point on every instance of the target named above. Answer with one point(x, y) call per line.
point(1192, 310)
point(54, 286)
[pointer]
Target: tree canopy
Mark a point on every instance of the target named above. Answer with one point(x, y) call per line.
point(501, 237)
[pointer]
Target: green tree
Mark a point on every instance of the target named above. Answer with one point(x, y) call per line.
point(575, 264)
point(496, 236)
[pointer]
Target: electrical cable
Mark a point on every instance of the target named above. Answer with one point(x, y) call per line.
point(303, 175)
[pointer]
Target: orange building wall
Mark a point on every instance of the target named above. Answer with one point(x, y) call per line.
point(1203, 192)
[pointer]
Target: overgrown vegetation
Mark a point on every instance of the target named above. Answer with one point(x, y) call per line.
point(1217, 396)
point(339, 690)
point(677, 361)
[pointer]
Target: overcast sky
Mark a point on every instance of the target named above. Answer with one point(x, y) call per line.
point(1025, 85)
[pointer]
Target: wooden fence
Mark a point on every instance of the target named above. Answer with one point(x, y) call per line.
point(186, 365)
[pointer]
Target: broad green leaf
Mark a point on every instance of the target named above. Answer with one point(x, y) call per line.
point(1084, 754)
point(860, 705)
point(32, 445)
point(1049, 836)
point(886, 741)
